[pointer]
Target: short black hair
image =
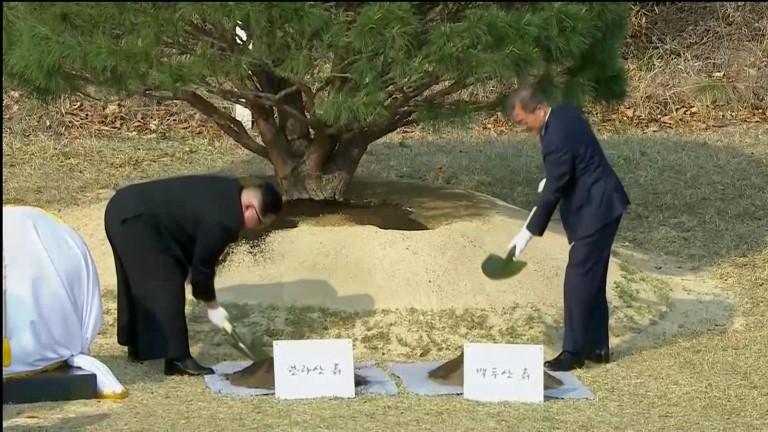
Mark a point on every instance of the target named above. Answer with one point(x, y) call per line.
point(528, 98)
point(271, 200)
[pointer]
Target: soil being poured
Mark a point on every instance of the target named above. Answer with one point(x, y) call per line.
point(452, 373)
point(261, 375)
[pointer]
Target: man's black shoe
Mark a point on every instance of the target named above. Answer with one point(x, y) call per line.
point(565, 361)
point(186, 366)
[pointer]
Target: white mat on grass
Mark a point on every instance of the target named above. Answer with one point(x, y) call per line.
point(378, 380)
point(219, 383)
point(416, 380)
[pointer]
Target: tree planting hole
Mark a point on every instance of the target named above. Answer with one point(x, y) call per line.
point(261, 375)
point(386, 216)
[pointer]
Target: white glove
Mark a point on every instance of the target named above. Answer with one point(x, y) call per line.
point(218, 316)
point(520, 242)
point(541, 184)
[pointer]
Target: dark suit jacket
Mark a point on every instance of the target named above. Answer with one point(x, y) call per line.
point(198, 216)
point(579, 178)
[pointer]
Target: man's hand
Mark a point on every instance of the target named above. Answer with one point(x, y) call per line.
point(520, 241)
point(541, 184)
point(217, 315)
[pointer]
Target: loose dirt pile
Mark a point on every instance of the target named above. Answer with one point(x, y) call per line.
point(360, 266)
point(345, 261)
point(261, 375)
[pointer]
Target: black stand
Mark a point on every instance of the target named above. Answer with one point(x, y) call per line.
point(61, 384)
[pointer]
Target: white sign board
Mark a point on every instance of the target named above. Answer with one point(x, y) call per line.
point(504, 372)
point(314, 368)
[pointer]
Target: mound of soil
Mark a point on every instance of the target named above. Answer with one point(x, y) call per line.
point(452, 373)
point(394, 245)
point(385, 216)
point(261, 375)
point(366, 268)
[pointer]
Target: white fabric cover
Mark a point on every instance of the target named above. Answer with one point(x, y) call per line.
point(53, 300)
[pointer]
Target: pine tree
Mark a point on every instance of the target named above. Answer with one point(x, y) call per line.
point(323, 80)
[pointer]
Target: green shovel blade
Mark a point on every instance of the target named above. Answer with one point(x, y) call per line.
point(496, 267)
point(253, 349)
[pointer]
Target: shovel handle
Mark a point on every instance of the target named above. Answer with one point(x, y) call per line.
point(511, 253)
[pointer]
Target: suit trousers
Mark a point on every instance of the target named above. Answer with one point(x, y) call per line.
point(585, 301)
point(151, 318)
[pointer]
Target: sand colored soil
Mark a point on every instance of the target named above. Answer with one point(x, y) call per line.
point(351, 259)
point(452, 373)
point(361, 266)
point(261, 375)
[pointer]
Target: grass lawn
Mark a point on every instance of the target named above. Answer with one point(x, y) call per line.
point(700, 201)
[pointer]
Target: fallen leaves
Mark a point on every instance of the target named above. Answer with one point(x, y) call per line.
point(678, 118)
point(496, 124)
point(77, 117)
point(134, 117)
point(628, 112)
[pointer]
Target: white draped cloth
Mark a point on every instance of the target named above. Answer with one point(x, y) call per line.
point(53, 302)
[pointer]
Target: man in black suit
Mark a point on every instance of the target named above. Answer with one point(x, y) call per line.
point(163, 231)
point(592, 201)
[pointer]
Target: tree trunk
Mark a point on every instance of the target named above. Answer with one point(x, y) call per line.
point(311, 160)
point(302, 185)
point(324, 177)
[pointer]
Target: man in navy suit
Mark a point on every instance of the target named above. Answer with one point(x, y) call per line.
point(592, 201)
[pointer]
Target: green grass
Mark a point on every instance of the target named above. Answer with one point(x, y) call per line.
point(56, 173)
point(699, 200)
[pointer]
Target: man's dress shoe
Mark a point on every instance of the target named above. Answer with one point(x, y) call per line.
point(186, 366)
point(565, 361)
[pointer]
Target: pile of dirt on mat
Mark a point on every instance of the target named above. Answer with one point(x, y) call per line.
point(261, 375)
point(452, 373)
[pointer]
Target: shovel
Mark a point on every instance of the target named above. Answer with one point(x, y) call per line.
point(496, 267)
point(241, 346)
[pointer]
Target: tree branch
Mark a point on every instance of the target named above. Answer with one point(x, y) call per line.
point(308, 95)
point(230, 125)
point(159, 97)
point(285, 92)
point(274, 101)
point(353, 145)
point(229, 37)
point(200, 30)
point(408, 95)
point(242, 97)
point(454, 87)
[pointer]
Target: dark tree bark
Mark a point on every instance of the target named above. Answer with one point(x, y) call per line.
point(311, 160)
